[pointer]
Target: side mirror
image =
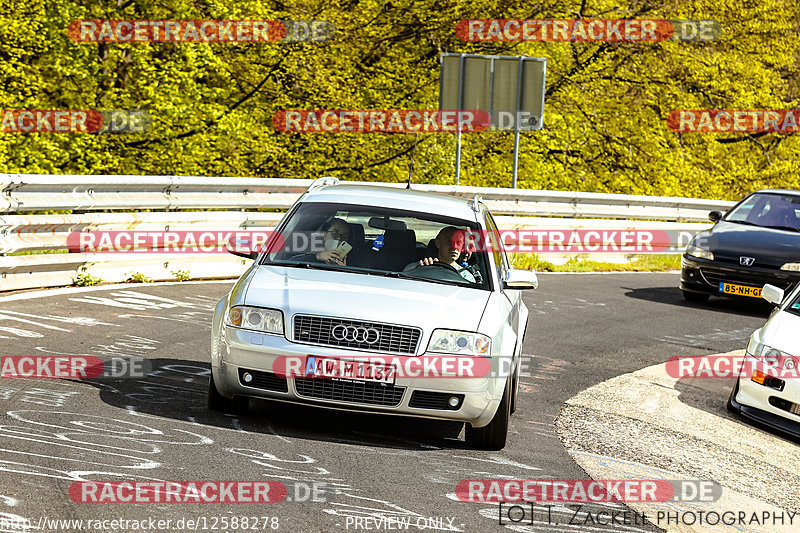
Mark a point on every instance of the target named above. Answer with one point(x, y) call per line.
point(715, 216)
point(246, 255)
point(772, 294)
point(520, 279)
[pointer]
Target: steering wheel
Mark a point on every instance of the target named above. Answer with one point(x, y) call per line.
point(443, 265)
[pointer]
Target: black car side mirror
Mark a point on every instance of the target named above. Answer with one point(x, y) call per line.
point(246, 255)
point(715, 216)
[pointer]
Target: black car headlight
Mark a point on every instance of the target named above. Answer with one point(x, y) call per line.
point(700, 253)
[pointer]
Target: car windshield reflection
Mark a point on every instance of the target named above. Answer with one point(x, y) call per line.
point(372, 240)
point(768, 210)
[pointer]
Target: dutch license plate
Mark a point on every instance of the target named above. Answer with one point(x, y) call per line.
point(739, 290)
point(348, 369)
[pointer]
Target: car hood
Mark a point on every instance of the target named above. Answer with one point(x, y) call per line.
point(780, 332)
point(769, 246)
point(366, 297)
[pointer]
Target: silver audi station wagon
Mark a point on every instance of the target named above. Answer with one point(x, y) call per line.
point(360, 273)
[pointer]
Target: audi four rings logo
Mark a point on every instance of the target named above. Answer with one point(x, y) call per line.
point(340, 332)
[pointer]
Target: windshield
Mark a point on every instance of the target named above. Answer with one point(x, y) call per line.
point(769, 210)
point(379, 241)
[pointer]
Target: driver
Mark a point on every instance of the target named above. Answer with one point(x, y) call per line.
point(449, 244)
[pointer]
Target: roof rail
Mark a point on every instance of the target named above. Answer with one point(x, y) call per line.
point(319, 183)
point(475, 202)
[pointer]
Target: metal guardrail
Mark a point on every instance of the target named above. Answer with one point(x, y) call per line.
point(25, 193)
point(176, 204)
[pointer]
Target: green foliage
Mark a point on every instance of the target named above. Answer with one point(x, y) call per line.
point(212, 104)
point(181, 275)
point(37, 252)
point(84, 279)
point(138, 277)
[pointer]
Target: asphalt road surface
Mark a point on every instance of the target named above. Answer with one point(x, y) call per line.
point(583, 329)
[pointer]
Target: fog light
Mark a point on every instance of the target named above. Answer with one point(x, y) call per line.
point(247, 377)
point(454, 401)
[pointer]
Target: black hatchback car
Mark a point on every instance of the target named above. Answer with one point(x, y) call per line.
point(756, 242)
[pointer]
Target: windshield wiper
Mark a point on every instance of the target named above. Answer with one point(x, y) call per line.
point(317, 266)
point(746, 223)
point(401, 275)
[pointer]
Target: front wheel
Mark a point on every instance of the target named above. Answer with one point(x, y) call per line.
point(492, 436)
point(695, 296)
point(218, 402)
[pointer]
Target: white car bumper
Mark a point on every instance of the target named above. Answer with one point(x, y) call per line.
point(769, 405)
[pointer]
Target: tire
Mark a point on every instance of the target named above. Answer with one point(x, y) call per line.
point(695, 296)
point(218, 402)
point(492, 436)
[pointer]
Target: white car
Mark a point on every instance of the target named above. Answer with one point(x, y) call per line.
point(768, 388)
point(345, 283)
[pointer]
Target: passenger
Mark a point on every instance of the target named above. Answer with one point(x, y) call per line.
point(449, 245)
point(336, 230)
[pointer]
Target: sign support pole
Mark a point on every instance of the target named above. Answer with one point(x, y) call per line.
point(516, 125)
point(458, 122)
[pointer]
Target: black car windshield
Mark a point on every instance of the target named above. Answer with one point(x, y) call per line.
point(379, 241)
point(769, 210)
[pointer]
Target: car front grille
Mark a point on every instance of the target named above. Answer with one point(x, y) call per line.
point(715, 276)
point(392, 339)
point(350, 391)
point(786, 405)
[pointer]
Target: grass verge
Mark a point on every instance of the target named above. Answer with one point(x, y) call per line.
point(638, 263)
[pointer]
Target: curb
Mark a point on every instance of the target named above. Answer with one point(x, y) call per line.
point(648, 425)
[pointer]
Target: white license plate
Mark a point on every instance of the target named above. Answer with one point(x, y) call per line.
point(348, 369)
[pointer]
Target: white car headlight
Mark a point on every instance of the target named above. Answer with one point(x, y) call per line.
point(766, 353)
point(256, 319)
point(791, 267)
point(696, 251)
point(459, 342)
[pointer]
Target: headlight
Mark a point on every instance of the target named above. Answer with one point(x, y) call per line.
point(459, 342)
point(792, 267)
point(696, 251)
point(256, 319)
point(766, 353)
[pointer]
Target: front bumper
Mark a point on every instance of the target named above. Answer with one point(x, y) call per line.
point(704, 276)
point(768, 405)
point(240, 350)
